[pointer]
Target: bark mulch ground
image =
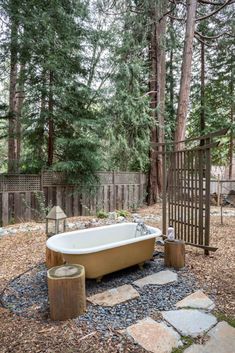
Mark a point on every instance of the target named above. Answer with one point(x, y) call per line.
point(215, 273)
point(20, 252)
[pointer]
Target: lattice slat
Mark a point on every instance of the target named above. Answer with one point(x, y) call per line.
point(20, 182)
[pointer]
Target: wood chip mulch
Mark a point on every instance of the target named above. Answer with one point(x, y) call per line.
point(215, 274)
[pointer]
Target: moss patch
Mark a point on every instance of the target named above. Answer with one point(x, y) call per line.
point(222, 317)
point(187, 342)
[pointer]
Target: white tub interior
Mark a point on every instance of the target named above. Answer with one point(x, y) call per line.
point(98, 239)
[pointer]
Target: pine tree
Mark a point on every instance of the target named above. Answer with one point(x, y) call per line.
point(128, 107)
point(60, 130)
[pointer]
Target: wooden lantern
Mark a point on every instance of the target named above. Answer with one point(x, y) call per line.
point(55, 221)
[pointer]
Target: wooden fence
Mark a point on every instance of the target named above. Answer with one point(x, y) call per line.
point(222, 186)
point(26, 197)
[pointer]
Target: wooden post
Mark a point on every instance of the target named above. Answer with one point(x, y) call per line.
point(53, 258)
point(207, 196)
point(174, 254)
point(5, 209)
point(221, 204)
point(218, 190)
point(66, 291)
point(163, 190)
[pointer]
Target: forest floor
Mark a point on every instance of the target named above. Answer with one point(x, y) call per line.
point(215, 274)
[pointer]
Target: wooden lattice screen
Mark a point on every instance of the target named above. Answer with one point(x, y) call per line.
point(23, 197)
point(186, 191)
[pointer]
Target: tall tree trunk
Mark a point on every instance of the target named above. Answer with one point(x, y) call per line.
point(157, 89)
point(42, 118)
point(202, 110)
point(50, 121)
point(186, 71)
point(12, 127)
point(171, 75)
point(19, 104)
point(231, 143)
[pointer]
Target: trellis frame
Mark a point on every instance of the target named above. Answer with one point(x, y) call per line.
point(186, 189)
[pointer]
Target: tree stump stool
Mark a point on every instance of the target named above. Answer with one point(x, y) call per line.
point(66, 291)
point(174, 253)
point(53, 258)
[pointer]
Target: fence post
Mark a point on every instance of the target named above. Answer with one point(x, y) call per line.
point(141, 190)
point(163, 190)
point(41, 180)
point(207, 196)
point(5, 213)
point(114, 191)
point(218, 190)
point(221, 205)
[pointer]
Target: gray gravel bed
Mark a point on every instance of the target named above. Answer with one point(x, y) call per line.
point(27, 295)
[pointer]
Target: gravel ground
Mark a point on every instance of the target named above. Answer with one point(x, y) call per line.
point(27, 295)
point(27, 328)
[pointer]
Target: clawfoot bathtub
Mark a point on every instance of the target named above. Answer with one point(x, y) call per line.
point(105, 249)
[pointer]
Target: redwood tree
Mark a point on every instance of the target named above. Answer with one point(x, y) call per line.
point(13, 152)
point(157, 93)
point(186, 72)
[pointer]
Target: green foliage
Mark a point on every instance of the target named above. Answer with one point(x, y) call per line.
point(42, 210)
point(187, 342)
point(102, 214)
point(84, 66)
point(222, 317)
point(55, 75)
point(219, 83)
point(128, 132)
point(123, 213)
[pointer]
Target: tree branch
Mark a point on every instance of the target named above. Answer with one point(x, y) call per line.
point(214, 12)
point(213, 37)
point(177, 18)
point(202, 41)
point(207, 2)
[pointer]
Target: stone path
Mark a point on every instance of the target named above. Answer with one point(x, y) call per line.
point(197, 300)
point(159, 278)
point(192, 318)
point(153, 336)
point(114, 296)
point(190, 322)
point(221, 340)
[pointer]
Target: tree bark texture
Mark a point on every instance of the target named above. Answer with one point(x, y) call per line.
point(20, 95)
point(66, 291)
point(186, 71)
point(157, 89)
point(53, 258)
point(12, 126)
point(50, 122)
point(171, 78)
point(174, 254)
point(231, 143)
point(202, 111)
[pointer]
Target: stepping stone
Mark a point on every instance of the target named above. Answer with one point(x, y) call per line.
point(114, 296)
point(197, 300)
point(153, 336)
point(222, 340)
point(189, 322)
point(160, 278)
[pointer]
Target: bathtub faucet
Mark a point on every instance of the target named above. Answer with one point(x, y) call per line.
point(142, 229)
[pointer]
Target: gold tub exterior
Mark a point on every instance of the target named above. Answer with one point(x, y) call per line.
point(100, 263)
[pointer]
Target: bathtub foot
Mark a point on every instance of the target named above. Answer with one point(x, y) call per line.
point(99, 279)
point(141, 266)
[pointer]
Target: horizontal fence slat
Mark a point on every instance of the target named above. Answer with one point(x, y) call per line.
point(22, 195)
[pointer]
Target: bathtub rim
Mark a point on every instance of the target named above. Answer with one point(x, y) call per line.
point(156, 233)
